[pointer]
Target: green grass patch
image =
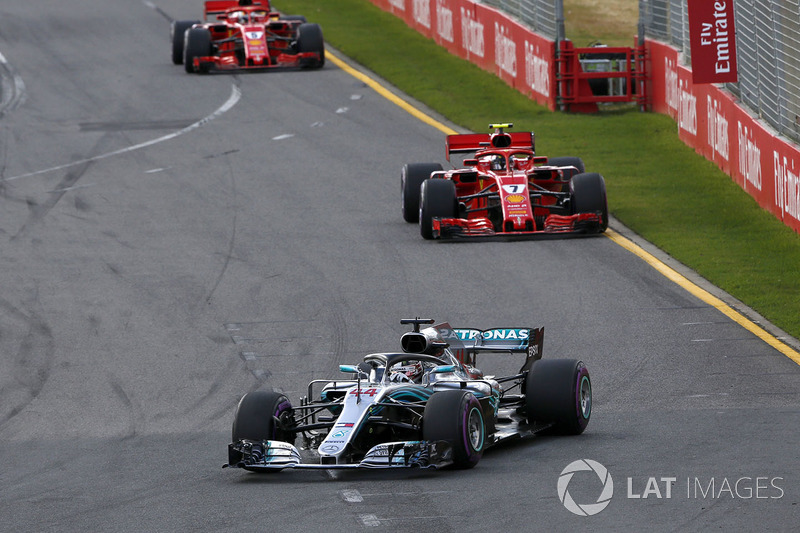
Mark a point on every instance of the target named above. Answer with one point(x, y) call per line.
point(657, 186)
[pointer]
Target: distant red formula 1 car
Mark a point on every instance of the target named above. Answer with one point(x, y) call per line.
point(246, 34)
point(504, 190)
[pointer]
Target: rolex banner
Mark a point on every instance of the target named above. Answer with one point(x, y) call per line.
point(713, 39)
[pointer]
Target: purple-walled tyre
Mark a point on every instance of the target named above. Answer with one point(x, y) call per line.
point(559, 391)
point(456, 417)
point(261, 415)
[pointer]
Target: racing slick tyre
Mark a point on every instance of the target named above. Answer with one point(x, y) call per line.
point(576, 162)
point(455, 416)
point(177, 29)
point(437, 199)
point(309, 39)
point(588, 195)
point(559, 391)
point(196, 44)
point(261, 415)
point(411, 177)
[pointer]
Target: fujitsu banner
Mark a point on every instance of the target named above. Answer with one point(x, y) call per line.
point(712, 35)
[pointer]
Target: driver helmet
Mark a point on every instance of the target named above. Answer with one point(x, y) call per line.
point(498, 162)
point(407, 372)
point(237, 16)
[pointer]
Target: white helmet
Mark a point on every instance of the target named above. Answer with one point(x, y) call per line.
point(412, 372)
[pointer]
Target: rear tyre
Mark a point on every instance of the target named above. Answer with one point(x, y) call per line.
point(588, 195)
point(411, 177)
point(197, 43)
point(309, 39)
point(456, 417)
point(260, 415)
point(437, 199)
point(576, 162)
point(177, 29)
point(559, 391)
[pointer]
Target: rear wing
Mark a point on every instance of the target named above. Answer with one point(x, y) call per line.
point(214, 8)
point(466, 343)
point(473, 142)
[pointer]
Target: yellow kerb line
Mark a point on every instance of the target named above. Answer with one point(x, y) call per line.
point(650, 259)
point(704, 296)
point(386, 93)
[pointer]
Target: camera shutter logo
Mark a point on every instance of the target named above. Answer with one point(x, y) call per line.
point(585, 509)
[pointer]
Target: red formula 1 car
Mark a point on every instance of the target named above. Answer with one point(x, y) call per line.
point(504, 190)
point(246, 34)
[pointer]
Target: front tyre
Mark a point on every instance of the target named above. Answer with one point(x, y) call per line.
point(588, 195)
point(411, 177)
point(197, 43)
point(177, 29)
point(559, 392)
point(309, 39)
point(437, 200)
point(263, 415)
point(456, 417)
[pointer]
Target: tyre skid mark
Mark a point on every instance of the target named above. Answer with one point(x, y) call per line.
point(233, 99)
point(211, 394)
point(232, 239)
point(39, 211)
point(119, 391)
point(32, 361)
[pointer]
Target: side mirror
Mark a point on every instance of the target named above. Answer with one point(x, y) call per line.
point(349, 369)
point(443, 369)
point(467, 177)
point(470, 162)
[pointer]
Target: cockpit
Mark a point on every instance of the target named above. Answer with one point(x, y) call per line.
point(254, 16)
point(521, 160)
point(494, 161)
point(501, 161)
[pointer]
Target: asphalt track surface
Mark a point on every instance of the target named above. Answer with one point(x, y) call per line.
point(170, 242)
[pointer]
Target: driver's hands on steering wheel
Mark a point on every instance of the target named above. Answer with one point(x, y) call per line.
point(399, 377)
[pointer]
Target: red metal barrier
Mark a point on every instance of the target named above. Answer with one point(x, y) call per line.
point(576, 92)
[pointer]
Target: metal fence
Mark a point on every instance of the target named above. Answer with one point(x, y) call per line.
point(542, 16)
point(767, 49)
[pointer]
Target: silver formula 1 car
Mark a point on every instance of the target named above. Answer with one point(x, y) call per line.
point(427, 406)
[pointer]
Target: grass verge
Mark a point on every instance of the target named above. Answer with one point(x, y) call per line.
point(657, 186)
